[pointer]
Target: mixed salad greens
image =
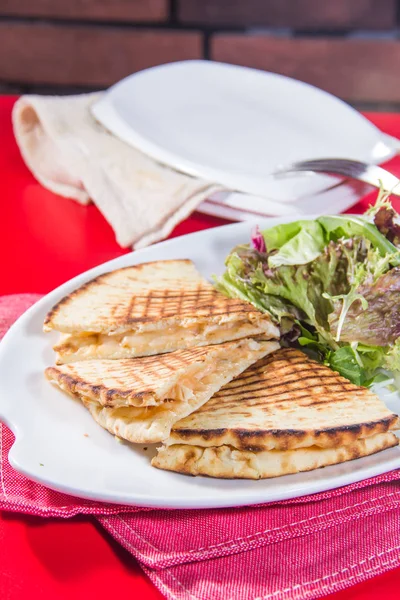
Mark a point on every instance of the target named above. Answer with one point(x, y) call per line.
point(333, 286)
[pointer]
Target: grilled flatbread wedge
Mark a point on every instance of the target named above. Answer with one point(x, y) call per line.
point(285, 414)
point(150, 309)
point(139, 399)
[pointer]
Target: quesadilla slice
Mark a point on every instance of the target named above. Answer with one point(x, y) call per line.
point(139, 399)
point(150, 309)
point(284, 414)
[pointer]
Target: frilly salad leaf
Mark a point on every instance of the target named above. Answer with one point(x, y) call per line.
point(335, 281)
point(347, 300)
point(392, 357)
point(236, 282)
point(356, 362)
point(346, 226)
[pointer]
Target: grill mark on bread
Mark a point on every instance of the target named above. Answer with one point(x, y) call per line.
point(180, 301)
point(289, 395)
point(103, 280)
point(158, 304)
point(258, 378)
point(289, 356)
point(67, 299)
point(131, 373)
point(124, 298)
point(254, 401)
point(192, 295)
point(257, 370)
point(312, 392)
point(284, 390)
point(246, 439)
point(163, 365)
point(291, 385)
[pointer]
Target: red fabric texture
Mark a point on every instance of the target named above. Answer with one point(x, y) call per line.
point(298, 549)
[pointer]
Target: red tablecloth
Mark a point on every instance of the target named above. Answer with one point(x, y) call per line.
point(44, 241)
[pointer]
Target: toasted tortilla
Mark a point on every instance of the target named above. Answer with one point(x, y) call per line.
point(150, 309)
point(229, 463)
point(284, 414)
point(140, 399)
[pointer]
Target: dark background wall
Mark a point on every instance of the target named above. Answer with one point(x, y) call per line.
point(348, 47)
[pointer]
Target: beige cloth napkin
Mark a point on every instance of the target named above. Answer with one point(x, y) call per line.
point(71, 154)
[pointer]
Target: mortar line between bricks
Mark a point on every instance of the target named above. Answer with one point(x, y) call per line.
point(168, 25)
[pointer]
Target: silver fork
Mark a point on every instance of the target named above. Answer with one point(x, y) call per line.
point(352, 169)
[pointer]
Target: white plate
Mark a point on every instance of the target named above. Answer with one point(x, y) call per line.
point(244, 207)
point(234, 125)
point(50, 426)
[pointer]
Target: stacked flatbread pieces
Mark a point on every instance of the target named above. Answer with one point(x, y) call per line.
point(156, 354)
point(285, 414)
point(140, 399)
point(144, 346)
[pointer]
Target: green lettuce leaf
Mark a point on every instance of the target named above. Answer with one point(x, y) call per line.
point(278, 236)
point(313, 345)
point(344, 361)
point(371, 357)
point(296, 243)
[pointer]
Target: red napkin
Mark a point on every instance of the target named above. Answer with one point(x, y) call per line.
point(292, 550)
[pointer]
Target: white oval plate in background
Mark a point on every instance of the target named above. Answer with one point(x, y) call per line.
point(234, 125)
point(59, 444)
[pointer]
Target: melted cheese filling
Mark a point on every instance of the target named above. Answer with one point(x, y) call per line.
point(156, 341)
point(185, 391)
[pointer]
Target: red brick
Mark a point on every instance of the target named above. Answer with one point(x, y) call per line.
point(87, 56)
point(355, 70)
point(108, 10)
point(298, 14)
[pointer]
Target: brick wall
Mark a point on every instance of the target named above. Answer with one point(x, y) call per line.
point(348, 47)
